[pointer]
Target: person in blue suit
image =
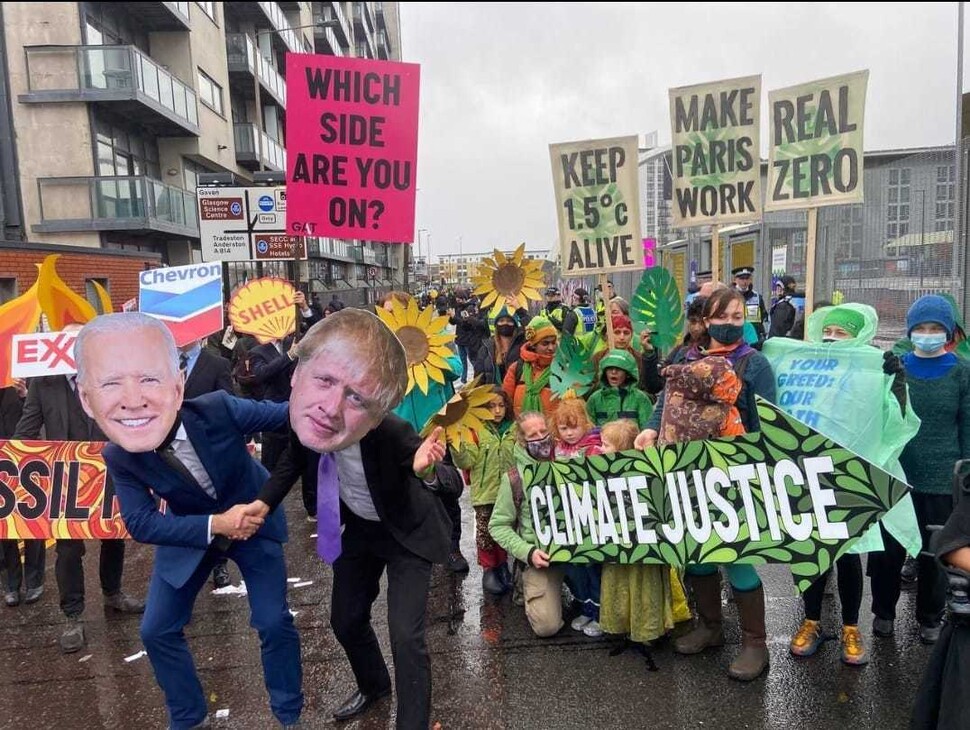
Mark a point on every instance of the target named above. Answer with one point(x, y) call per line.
point(193, 455)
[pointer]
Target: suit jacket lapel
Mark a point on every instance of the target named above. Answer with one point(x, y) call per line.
point(200, 440)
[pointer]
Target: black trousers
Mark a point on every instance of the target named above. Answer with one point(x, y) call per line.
point(31, 570)
point(368, 548)
point(884, 567)
point(274, 444)
point(308, 484)
point(70, 572)
point(850, 590)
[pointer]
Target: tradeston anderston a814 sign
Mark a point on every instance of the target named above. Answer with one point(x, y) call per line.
point(783, 495)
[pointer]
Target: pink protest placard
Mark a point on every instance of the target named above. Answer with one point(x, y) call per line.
point(351, 147)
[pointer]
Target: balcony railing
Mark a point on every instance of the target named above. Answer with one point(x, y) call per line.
point(335, 11)
point(117, 75)
point(136, 203)
point(282, 25)
point(267, 152)
point(243, 55)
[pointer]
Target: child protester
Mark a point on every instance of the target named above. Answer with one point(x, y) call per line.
point(576, 438)
point(511, 527)
point(637, 600)
point(487, 460)
point(618, 396)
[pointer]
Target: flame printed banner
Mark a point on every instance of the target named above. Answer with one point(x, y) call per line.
point(56, 490)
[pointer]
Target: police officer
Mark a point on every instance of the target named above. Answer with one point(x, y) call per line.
point(785, 310)
point(581, 319)
point(555, 310)
point(754, 304)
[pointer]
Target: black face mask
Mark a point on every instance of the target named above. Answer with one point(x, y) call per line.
point(540, 449)
point(505, 330)
point(726, 334)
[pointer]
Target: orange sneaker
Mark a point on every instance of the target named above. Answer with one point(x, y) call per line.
point(807, 639)
point(853, 647)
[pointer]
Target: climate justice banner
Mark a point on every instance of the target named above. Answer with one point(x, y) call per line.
point(783, 495)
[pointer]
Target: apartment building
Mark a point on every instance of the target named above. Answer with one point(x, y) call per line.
point(112, 111)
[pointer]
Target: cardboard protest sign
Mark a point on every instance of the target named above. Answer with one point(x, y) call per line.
point(17, 316)
point(188, 299)
point(597, 204)
point(43, 353)
point(264, 308)
point(56, 490)
point(815, 154)
point(352, 144)
point(783, 495)
point(715, 133)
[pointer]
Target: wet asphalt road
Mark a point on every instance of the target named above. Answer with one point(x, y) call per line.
point(489, 671)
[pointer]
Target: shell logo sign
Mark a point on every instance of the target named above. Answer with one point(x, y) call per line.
point(264, 308)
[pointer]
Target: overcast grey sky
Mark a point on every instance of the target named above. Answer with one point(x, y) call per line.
point(500, 82)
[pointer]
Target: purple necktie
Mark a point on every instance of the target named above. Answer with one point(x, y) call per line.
point(328, 509)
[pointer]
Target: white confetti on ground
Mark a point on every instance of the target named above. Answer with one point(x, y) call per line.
point(139, 655)
point(221, 714)
point(303, 583)
point(239, 590)
point(292, 580)
point(313, 535)
point(85, 658)
point(293, 613)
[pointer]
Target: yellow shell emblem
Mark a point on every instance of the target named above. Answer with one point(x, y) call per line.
point(264, 308)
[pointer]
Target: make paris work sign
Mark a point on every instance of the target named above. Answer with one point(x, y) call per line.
point(352, 144)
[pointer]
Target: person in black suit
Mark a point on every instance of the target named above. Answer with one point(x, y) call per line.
point(204, 373)
point(383, 492)
point(28, 574)
point(53, 406)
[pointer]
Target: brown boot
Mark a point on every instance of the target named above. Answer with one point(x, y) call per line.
point(708, 631)
point(753, 659)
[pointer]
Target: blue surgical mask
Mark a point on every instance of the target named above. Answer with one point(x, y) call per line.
point(928, 343)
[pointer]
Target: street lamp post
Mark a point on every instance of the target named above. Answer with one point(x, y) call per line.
point(922, 234)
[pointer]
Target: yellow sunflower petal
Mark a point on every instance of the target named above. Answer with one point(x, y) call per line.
point(436, 324)
point(399, 312)
point(442, 350)
point(435, 374)
point(439, 340)
point(387, 318)
point(518, 255)
point(437, 361)
point(412, 311)
point(491, 298)
point(500, 258)
point(530, 292)
point(410, 381)
point(421, 377)
point(488, 262)
point(424, 319)
point(496, 308)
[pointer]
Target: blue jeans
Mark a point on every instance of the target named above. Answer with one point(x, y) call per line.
point(463, 356)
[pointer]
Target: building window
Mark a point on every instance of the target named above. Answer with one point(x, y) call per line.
point(124, 151)
point(898, 209)
point(190, 174)
point(210, 10)
point(8, 289)
point(945, 197)
point(210, 93)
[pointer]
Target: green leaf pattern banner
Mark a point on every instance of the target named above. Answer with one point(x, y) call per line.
point(783, 495)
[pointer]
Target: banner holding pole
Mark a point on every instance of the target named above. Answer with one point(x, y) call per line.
point(715, 133)
point(597, 203)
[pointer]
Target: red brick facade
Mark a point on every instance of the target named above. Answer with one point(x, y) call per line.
point(75, 266)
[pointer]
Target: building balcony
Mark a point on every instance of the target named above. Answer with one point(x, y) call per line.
point(363, 18)
point(119, 77)
point(246, 62)
point(379, 16)
point(137, 204)
point(326, 42)
point(363, 50)
point(161, 16)
point(292, 7)
point(255, 149)
point(383, 47)
point(333, 15)
point(261, 13)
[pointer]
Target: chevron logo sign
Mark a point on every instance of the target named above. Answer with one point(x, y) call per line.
point(186, 298)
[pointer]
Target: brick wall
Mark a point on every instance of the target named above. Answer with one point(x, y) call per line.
point(75, 267)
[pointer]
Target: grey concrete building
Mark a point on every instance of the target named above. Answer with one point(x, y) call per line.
point(111, 111)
